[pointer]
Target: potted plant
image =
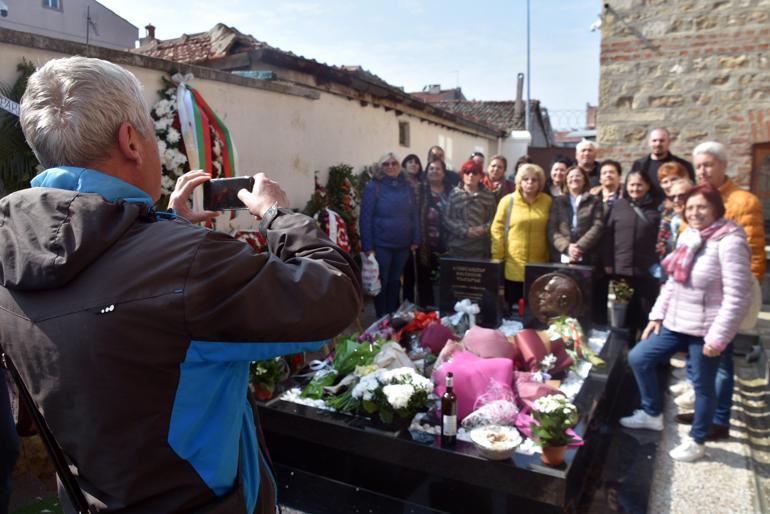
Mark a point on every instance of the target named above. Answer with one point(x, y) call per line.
point(553, 415)
point(620, 294)
point(394, 395)
point(265, 375)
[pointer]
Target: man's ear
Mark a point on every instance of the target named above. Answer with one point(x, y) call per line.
point(129, 143)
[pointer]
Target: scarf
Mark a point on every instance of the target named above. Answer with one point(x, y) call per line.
point(679, 263)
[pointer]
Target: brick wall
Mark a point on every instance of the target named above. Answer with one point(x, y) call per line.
point(698, 67)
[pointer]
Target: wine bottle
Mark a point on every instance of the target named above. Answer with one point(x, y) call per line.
point(449, 413)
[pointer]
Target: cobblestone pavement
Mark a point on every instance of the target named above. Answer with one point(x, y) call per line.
point(724, 481)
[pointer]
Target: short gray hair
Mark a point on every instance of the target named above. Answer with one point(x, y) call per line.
point(73, 107)
point(712, 148)
point(587, 142)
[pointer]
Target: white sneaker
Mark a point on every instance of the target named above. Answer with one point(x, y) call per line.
point(680, 388)
point(686, 400)
point(679, 373)
point(688, 451)
point(640, 419)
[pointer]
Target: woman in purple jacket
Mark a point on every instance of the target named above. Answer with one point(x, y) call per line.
point(698, 311)
point(389, 228)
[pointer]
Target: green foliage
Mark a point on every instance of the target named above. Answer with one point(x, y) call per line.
point(620, 291)
point(18, 164)
point(349, 354)
point(315, 389)
point(554, 415)
point(269, 372)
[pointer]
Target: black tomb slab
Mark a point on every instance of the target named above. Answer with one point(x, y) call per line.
point(480, 281)
point(372, 468)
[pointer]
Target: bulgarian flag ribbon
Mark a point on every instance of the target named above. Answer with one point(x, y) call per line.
point(197, 121)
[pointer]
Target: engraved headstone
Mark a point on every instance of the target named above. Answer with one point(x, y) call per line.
point(480, 281)
point(583, 277)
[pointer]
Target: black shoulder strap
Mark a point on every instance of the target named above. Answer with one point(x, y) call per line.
point(640, 213)
point(76, 496)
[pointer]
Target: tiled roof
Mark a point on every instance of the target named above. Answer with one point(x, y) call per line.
point(500, 114)
point(217, 43)
point(222, 41)
point(444, 95)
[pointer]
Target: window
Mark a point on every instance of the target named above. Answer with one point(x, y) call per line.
point(52, 4)
point(403, 133)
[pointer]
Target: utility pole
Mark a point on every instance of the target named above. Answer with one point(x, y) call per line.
point(526, 112)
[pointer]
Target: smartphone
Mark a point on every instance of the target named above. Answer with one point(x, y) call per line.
point(221, 194)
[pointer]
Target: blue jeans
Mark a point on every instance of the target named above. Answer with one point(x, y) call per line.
point(648, 354)
point(725, 383)
point(9, 445)
point(391, 261)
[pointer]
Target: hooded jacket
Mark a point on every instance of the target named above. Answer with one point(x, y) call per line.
point(134, 334)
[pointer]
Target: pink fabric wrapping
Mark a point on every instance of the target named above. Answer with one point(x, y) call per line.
point(533, 350)
point(435, 336)
point(488, 342)
point(527, 390)
point(471, 378)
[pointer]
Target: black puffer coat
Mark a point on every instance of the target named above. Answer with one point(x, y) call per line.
point(632, 239)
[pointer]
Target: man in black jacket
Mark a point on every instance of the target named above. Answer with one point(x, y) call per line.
point(134, 331)
point(660, 141)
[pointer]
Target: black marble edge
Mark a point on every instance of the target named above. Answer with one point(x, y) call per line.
point(511, 476)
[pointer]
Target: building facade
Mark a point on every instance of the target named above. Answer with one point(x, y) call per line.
point(701, 68)
point(74, 20)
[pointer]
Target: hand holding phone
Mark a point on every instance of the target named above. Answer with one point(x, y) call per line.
point(179, 199)
point(221, 194)
point(265, 193)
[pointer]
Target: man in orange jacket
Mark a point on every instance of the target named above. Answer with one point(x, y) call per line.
point(745, 209)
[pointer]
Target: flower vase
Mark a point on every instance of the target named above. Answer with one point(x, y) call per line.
point(618, 314)
point(553, 455)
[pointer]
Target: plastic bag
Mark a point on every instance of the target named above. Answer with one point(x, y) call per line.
point(497, 406)
point(370, 275)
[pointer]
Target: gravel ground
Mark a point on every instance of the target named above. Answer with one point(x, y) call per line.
point(724, 481)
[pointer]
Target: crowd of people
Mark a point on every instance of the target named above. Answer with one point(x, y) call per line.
point(689, 252)
point(104, 299)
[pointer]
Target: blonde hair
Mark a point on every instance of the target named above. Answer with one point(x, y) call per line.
point(525, 169)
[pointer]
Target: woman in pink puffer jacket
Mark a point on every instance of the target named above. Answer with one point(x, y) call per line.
point(698, 311)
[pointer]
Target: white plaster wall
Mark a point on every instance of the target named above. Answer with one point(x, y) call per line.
point(289, 137)
point(70, 22)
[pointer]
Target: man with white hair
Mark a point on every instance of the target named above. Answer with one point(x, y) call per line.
point(133, 330)
point(660, 142)
point(585, 154)
point(745, 209)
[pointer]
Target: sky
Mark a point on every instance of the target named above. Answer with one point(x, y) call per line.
point(479, 46)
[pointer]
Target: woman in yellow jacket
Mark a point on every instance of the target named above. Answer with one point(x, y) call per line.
point(519, 229)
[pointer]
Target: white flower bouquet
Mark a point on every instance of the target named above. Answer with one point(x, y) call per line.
point(396, 392)
point(554, 415)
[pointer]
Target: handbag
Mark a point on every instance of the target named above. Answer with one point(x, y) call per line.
point(370, 275)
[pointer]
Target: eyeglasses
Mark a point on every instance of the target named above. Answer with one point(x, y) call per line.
point(677, 198)
point(473, 172)
point(390, 163)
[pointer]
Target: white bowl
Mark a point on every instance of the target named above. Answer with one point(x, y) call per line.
point(496, 442)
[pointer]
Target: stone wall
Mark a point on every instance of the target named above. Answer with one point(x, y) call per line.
point(701, 68)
